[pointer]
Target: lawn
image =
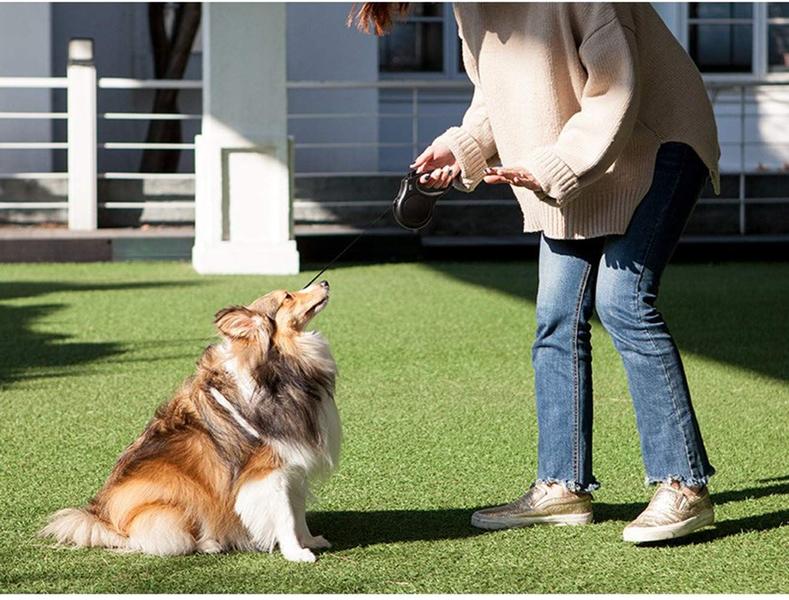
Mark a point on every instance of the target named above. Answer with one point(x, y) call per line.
point(437, 401)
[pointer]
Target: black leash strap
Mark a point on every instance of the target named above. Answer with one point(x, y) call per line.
point(352, 242)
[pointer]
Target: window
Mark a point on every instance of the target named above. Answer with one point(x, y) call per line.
point(416, 43)
point(778, 37)
point(424, 44)
point(720, 36)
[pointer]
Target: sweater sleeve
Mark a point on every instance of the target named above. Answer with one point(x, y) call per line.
point(593, 137)
point(472, 143)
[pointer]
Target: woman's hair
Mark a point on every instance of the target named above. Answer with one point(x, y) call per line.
point(379, 15)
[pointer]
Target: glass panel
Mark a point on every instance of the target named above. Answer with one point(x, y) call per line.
point(721, 48)
point(412, 47)
point(778, 10)
point(426, 9)
point(778, 47)
point(721, 10)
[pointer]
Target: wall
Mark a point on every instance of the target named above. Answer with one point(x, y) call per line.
point(322, 48)
point(24, 35)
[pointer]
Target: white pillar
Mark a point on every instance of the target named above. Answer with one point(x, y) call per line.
point(82, 210)
point(242, 205)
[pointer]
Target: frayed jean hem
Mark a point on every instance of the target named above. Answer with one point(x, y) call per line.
point(692, 482)
point(571, 485)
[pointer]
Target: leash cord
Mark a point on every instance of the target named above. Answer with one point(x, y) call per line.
point(352, 242)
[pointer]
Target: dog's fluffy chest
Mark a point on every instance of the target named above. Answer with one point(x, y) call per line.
point(289, 401)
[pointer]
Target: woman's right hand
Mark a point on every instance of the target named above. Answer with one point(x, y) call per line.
point(438, 165)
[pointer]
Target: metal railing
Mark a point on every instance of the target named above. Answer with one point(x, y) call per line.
point(738, 94)
point(83, 120)
point(412, 98)
point(47, 83)
point(417, 93)
point(118, 83)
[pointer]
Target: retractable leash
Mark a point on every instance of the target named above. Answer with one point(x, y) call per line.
point(412, 209)
point(344, 250)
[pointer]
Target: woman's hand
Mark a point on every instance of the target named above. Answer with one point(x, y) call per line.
point(438, 165)
point(513, 176)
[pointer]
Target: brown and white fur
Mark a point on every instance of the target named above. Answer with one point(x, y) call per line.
point(227, 462)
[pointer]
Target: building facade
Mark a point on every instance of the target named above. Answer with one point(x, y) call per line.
point(360, 106)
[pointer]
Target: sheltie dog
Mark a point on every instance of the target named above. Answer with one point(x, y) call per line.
point(226, 464)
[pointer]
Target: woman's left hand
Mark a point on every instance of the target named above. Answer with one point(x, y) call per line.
point(513, 176)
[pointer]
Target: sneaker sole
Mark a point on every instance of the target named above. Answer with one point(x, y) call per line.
point(640, 535)
point(510, 523)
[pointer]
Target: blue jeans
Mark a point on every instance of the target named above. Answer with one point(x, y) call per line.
point(618, 277)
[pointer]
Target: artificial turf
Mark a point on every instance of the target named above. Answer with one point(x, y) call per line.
point(436, 396)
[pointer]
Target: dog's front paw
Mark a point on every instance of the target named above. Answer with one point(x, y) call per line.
point(299, 555)
point(209, 546)
point(317, 542)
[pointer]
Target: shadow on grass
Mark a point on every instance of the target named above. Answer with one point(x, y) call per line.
point(771, 479)
point(746, 329)
point(359, 528)
point(352, 529)
point(28, 354)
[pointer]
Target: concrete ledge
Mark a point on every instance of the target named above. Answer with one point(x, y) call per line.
point(48, 244)
point(55, 250)
point(319, 244)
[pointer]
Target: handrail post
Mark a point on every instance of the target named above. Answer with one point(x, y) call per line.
point(82, 185)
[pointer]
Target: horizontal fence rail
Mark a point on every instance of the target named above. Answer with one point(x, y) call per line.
point(34, 82)
point(119, 83)
point(149, 116)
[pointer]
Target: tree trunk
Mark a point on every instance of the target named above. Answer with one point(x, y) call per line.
point(171, 55)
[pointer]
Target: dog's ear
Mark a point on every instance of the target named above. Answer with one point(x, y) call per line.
point(267, 305)
point(240, 322)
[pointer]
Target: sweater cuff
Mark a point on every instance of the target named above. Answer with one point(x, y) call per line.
point(558, 181)
point(469, 155)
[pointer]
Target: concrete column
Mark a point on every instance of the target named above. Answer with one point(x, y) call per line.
point(243, 210)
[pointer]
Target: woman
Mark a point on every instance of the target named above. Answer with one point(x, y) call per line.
point(605, 131)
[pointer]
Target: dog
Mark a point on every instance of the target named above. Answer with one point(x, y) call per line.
point(227, 463)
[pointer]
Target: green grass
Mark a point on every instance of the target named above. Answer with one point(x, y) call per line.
point(436, 396)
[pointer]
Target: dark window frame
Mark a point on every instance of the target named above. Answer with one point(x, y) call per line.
point(692, 23)
point(451, 57)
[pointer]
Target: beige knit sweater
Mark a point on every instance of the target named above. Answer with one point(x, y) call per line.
point(581, 95)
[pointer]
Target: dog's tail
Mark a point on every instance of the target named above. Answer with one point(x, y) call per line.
point(81, 527)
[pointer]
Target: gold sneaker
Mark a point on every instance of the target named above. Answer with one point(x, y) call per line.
point(542, 503)
point(670, 514)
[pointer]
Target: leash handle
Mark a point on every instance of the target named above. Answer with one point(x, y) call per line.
point(352, 242)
